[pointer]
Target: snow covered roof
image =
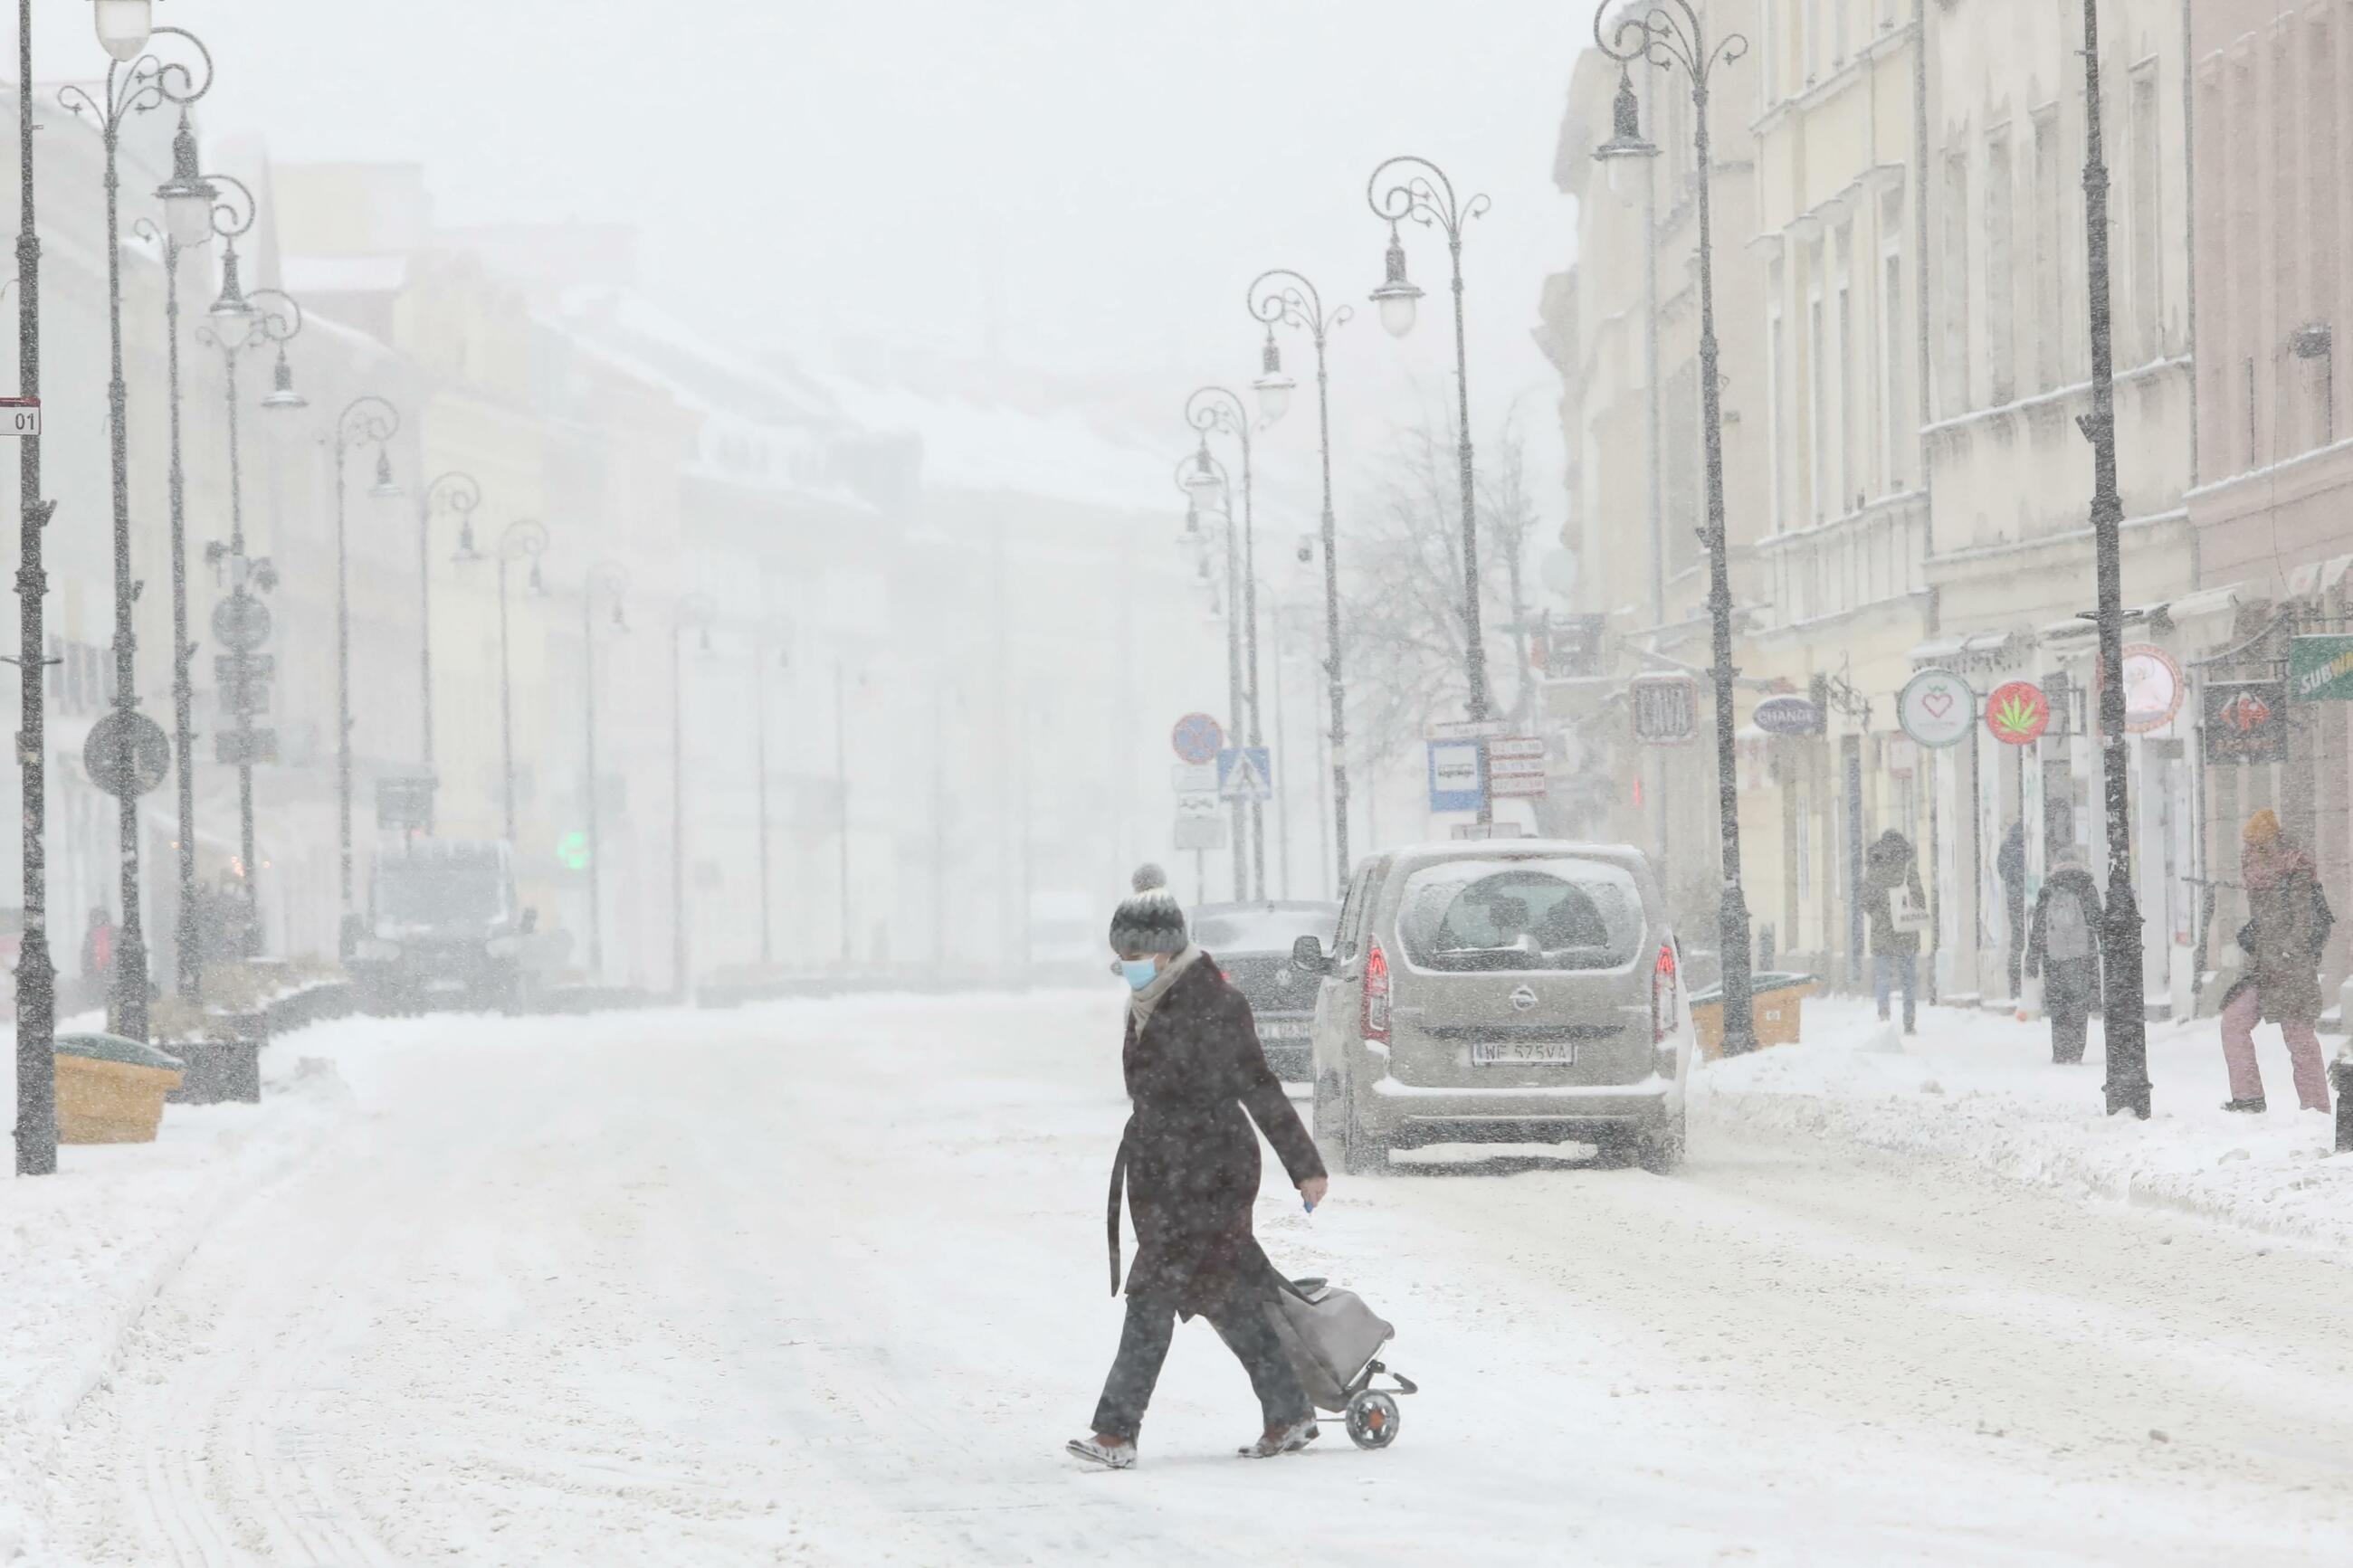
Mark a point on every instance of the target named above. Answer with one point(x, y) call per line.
point(981, 444)
point(345, 274)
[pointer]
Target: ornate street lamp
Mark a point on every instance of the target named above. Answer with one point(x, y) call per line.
point(134, 85)
point(611, 580)
point(123, 27)
point(1670, 33)
point(238, 324)
point(367, 420)
point(2125, 1025)
point(525, 539)
point(695, 613)
point(229, 218)
point(1215, 408)
point(1286, 297)
point(1208, 492)
point(461, 493)
point(1421, 192)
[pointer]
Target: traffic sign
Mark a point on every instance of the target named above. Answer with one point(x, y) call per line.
point(1516, 747)
point(245, 748)
point(1458, 776)
point(1470, 730)
point(20, 415)
point(1245, 773)
point(1198, 739)
point(1200, 832)
point(1193, 778)
point(126, 753)
point(240, 623)
point(1199, 806)
point(405, 805)
point(1513, 767)
point(1502, 785)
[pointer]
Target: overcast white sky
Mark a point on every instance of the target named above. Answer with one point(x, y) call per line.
point(805, 171)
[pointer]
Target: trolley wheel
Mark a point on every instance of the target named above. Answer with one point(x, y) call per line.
point(1372, 1420)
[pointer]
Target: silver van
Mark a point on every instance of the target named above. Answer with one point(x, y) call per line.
point(1513, 990)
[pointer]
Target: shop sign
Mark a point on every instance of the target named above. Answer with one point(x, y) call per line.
point(2018, 713)
point(1666, 708)
point(1936, 707)
point(1788, 715)
point(2152, 688)
point(2320, 669)
point(2245, 721)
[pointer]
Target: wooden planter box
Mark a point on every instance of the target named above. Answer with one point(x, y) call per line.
point(1775, 1002)
point(111, 1091)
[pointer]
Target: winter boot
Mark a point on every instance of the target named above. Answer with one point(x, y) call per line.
point(1102, 1449)
point(1282, 1440)
point(2253, 1107)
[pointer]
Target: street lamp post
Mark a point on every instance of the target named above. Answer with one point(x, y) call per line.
point(1424, 193)
point(1670, 33)
point(761, 650)
point(367, 420)
point(134, 87)
point(1203, 480)
point(1215, 408)
point(2125, 1027)
point(1284, 296)
point(611, 579)
point(239, 323)
point(525, 539)
point(695, 613)
point(462, 493)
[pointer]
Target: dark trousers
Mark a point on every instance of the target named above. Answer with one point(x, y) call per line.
point(2017, 940)
point(2067, 986)
point(1144, 1345)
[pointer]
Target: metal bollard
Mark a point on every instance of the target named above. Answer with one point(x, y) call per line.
point(2340, 1079)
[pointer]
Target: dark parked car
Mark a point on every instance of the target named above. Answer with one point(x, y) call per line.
point(1252, 943)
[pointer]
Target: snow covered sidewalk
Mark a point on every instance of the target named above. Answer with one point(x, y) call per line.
point(1981, 1087)
point(85, 1250)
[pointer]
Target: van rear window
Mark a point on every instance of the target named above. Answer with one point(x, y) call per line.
point(1473, 916)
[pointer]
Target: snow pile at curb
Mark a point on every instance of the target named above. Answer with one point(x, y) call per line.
point(1981, 1087)
point(85, 1251)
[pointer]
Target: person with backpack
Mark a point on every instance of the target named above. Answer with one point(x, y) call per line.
point(2063, 948)
point(2288, 926)
point(1898, 911)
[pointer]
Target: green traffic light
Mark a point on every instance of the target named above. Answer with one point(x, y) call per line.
point(572, 851)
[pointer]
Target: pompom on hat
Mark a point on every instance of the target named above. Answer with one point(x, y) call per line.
point(1150, 921)
point(2262, 829)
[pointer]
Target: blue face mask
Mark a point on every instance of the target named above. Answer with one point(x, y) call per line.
point(1138, 972)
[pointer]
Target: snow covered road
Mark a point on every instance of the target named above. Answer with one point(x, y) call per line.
point(824, 1284)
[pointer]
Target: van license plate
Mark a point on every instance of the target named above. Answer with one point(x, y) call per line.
point(1499, 1053)
point(1285, 1029)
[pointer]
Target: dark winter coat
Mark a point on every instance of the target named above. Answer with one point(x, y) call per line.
point(2289, 925)
point(2065, 880)
point(1188, 1157)
point(1889, 865)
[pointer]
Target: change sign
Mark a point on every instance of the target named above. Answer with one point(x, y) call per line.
point(2320, 669)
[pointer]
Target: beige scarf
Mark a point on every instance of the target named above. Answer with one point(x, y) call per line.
point(1140, 1006)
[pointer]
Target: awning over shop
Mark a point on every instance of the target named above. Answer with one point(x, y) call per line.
point(2318, 579)
point(1982, 648)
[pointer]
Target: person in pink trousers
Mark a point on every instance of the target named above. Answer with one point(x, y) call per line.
point(2286, 929)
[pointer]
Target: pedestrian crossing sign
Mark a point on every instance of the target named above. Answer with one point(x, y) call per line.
point(1245, 773)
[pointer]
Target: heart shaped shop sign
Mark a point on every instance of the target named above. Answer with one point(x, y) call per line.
point(1936, 707)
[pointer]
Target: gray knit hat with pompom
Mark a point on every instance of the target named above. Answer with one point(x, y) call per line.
point(1150, 920)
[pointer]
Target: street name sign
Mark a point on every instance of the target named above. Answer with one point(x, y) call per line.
point(1470, 730)
point(1512, 747)
point(1513, 767)
point(1503, 784)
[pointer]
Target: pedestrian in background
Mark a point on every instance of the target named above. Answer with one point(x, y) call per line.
point(97, 950)
point(2288, 926)
point(2010, 865)
point(1898, 911)
point(1189, 1160)
point(2063, 948)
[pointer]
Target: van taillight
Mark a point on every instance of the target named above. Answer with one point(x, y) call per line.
point(1374, 1023)
point(1663, 995)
